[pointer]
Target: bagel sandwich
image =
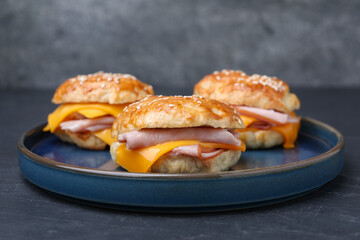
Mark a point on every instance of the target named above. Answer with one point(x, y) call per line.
point(264, 103)
point(89, 105)
point(177, 134)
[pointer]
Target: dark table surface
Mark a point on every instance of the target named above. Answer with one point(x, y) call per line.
point(331, 212)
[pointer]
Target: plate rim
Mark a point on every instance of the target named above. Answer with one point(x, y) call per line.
point(184, 176)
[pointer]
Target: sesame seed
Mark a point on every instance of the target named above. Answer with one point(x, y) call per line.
point(171, 105)
point(128, 76)
point(82, 78)
point(102, 85)
point(266, 81)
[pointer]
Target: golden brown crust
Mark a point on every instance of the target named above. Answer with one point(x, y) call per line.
point(100, 87)
point(176, 112)
point(189, 164)
point(237, 88)
point(85, 140)
point(261, 138)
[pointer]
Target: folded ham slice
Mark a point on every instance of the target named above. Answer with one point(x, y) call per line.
point(191, 150)
point(151, 137)
point(270, 116)
point(92, 125)
point(260, 125)
point(196, 151)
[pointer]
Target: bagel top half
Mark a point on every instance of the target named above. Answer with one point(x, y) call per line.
point(100, 87)
point(238, 88)
point(176, 112)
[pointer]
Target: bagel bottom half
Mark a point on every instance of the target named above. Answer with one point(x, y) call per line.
point(85, 140)
point(261, 138)
point(188, 164)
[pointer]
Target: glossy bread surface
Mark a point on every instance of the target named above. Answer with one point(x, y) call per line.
point(100, 87)
point(238, 88)
point(176, 112)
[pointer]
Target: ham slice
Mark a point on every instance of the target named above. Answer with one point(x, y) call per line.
point(196, 151)
point(151, 137)
point(191, 150)
point(92, 125)
point(265, 115)
point(260, 125)
point(209, 155)
point(99, 127)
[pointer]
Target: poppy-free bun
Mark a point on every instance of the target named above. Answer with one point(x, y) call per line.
point(188, 164)
point(100, 87)
point(85, 140)
point(176, 112)
point(238, 88)
point(261, 138)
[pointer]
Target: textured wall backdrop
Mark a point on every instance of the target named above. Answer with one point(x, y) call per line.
point(175, 43)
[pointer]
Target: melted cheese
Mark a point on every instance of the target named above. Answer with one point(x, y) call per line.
point(141, 160)
point(105, 135)
point(89, 110)
point(248, 120)
point(92, 113)
point(289, 131)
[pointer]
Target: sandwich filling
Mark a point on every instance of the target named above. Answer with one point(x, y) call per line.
point(96, 118)
point(255, 119)
point(137, 151)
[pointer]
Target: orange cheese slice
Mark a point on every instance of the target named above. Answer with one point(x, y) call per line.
point(92, 113)
point(105, 135)
point(248, 120)
point(140, 160)
point(289, 131)
point(89, 110)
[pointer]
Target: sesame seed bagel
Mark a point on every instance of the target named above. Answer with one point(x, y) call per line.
point(238, 88)
point(176, 112)
point(100, 87)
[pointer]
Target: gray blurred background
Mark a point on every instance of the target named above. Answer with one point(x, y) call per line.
point(173, 44)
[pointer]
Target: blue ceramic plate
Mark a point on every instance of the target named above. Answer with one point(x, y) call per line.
point(261, 177)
